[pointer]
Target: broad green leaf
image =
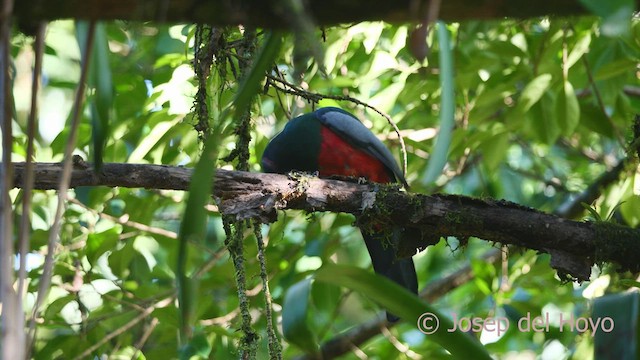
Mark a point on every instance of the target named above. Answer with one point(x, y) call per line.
point(325, 297)
point(193, 229)
point(100, 79)
point(533, 92)
point(438, 158)
point(629, 210)
point(55, 308)
point(617, 336)
point(593, 119)
point(151, 140)
point(567, 109)
point(579, 49)
point(407, 306)
point(120, 260)
point(616, 15)
point(542, 119)
point(629, 283)
point(494, 94)
point(387, 98)
point(381, 63)
point(615, 68)
point(372, 33)
point(199, 348)
point(99, 243)
point(83, 138)
point(295, 310)
point(494, 149)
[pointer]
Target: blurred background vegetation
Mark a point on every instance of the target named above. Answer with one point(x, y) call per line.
point(543, 108)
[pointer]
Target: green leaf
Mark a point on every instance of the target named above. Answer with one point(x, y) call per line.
point(120, 260)
point(616, 15)
point(407, 306)
point(567, 109)
point(541, 118)
point(326, 298)
point(579, 49)
point(615, 68)
point(533, 92)
point(629, 283)
point(438, 158)
point(295, 309)
point(593, 119)
point(99, 243)
point(199, 347)
point(617, 335)
point(55, 308)
point(494, 149)
point(387, 98)
point(83, 137)
point(629, 210)
point(193, 229)
point(592, 211)
point(101, 103)
point(153, 138)
point(373, 30)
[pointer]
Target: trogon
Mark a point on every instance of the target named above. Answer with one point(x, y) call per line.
point(331, 141)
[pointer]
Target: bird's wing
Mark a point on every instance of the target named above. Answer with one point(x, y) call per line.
point(353, 131)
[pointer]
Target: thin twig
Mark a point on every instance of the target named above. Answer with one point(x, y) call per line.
point(148, 311)
point(54, 232)
point(628, 90)
point(402, 348)
point(29, 178)
point(220, 320)
point(596, 94)
point(210, 263)
point(25, 221)
point(12, 320)
point(127, 222)
point(138, 346)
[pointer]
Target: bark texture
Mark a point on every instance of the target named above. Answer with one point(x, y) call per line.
point(270, 13)
point(574, 246)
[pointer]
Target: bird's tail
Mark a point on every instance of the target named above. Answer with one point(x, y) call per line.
point(383, 257)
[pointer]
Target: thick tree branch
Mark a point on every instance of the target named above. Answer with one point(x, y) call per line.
point(356, 336)
point(574, 246)
point(266, 13)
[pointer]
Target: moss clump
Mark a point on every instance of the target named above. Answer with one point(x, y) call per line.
point(614, 242)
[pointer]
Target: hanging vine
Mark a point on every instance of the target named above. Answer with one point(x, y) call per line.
point(213, 50)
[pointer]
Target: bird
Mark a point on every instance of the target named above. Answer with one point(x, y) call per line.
point(331, 141)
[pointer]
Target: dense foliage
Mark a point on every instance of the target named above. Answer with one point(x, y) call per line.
point(543, 107)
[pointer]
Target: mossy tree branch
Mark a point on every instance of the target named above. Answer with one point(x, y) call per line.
point(574, 246)
point(266, 14)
